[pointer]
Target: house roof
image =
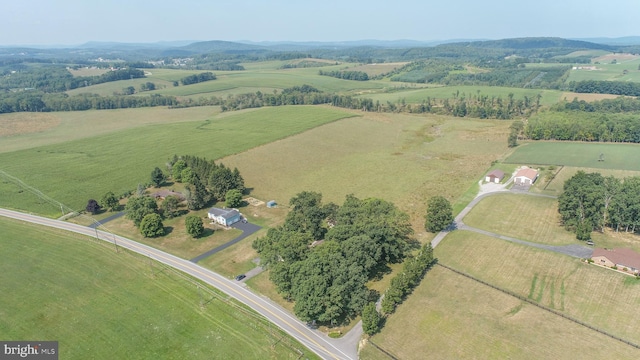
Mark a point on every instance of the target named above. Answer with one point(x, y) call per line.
point(496, 173)
point(623, 256)
point(225, 213)
point(528, 173)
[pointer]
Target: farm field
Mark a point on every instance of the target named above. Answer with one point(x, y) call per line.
point(414, 96)
point(597, 296)
point(575, 154)
point(141, 315)
point(75, 171)
point(524, 217)
point(20, 131)
point(398, 157)
point(562, 174)
point(609, 72)
point(449, 316)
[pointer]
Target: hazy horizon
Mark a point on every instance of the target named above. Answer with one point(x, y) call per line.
point(75, 22)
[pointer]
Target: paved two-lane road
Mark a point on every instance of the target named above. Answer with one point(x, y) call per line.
point(315, 341)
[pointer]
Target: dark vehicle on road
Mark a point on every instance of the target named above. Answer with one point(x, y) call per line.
point(240, 277)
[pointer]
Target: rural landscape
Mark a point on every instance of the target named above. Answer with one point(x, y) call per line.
point(228, 200)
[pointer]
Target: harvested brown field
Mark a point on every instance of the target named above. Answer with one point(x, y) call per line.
point(618, 57)
point(569, 96)
point(26, 123)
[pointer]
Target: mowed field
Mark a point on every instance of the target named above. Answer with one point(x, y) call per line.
point(576, 154)
point(102, 305)
point(75, 171)
point(626, 69)
point(562, 174)
point(451, 316)
point(397, 157)
point(525, 217)
point(415, 96)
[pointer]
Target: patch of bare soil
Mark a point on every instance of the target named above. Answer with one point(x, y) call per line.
point(26, 123)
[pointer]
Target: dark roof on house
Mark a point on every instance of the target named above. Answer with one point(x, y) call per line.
point(225, 213)
point(528, 173)
point(623, 256)
point(496, 173)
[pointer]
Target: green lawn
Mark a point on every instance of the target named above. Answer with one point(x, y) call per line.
point(102, 305)
point(584, 155)
point(75, 171)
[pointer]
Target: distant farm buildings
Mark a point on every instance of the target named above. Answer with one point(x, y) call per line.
point(526, 176)
point(224, 217)
point(495, 176)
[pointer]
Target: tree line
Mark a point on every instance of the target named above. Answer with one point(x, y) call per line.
point(346, 74)
point(591, 202)
point(197, 78)
point(39, 101)
point(610, 120)
point(324, 254)
point(626, 88)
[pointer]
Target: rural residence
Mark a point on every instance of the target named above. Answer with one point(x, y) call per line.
point(495, 176)
point(526, 176)
point(225, 217)
point(620, 258)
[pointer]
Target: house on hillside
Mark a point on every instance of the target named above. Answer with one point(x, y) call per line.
point(225, 217)
point(526, 176)
point(495, 176)
point(620, 258)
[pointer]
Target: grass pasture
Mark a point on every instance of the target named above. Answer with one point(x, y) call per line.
point(597, 296)
point(75, 171)
point(414, 96)
point(112, 299)
point(524, 217)
point(398, 157)
point(563, 174)
point(606, 71)
point(449, 316)
point(29, 130)
point(585, 155)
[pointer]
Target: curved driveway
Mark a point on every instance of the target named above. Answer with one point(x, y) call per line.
point(315, 341)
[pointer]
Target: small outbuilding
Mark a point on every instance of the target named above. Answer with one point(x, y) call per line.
point(495, 176)
point(225, 217)
point(620, 258)
point(526, 176)
point(271, 204)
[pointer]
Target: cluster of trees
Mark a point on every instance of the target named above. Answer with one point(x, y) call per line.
point(323, 254)
point(205, 180)
point(197, 78)
point(39, 101)
point(54, 78)
point(583, 126)
point(439, 214)
point(591, 202)
point(404, 282)
point(627, 88)
point(618, 105)
point(346, 75)
point(547, 77)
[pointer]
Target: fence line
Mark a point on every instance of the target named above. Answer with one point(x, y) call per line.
point(553, 311)
point(391, 356)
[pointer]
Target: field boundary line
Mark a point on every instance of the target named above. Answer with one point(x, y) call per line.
point(383, 350)
point(553, 311)
point(553, 177)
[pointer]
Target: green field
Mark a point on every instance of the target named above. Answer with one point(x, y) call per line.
point(75, 171)
point(584, 155)
point(414, 96)
point(530, 218)
point(102, 305)
point(608, 72)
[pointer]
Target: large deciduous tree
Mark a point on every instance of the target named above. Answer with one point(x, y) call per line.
point(439, 214)
point(92, 206)
point(370, 319)
point(110, 201)
point(194, 226)
point(157, 177)
point(233, 198)
point(138, 207)
point(170, 207)
point(151, 225)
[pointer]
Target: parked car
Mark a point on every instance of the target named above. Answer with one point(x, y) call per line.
point(240, 277)
point(589, 242)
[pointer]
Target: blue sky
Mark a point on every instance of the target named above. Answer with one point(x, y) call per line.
point(78, 21)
